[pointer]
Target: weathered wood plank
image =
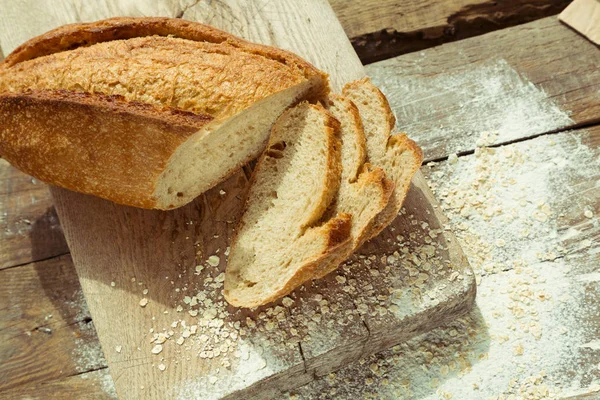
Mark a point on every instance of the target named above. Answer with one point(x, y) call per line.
point(378, 30)
point(360, 375)
point(29, 228)
point(518, 82)
point(96, 385)
point(45, 329)
point(388, 28)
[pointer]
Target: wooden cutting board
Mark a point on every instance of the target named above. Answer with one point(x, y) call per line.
point(153, 279)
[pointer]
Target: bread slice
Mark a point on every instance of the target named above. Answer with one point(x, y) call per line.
point(397, 155)
point(283, 237)
point(148, 112)
point(364, 190)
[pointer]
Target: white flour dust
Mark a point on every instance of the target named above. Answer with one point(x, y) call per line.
point(446, 113)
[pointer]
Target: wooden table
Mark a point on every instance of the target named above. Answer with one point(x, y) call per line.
point(528, 222)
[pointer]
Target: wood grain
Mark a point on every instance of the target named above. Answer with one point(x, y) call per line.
point(387, 29)
point(394, 27)
point(584, 17)
point(520, 82)
point(44, 317)
point(564, 286)
point(592, 140)
point(586, 263)
point(111, 243)
point(96, 385)
point(29, 227)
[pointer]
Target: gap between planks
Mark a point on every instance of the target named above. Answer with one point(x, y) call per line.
point(576, 129)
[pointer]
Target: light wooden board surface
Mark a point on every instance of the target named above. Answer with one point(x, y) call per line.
point(584, 17)
point(501, 82)
point(111, 243)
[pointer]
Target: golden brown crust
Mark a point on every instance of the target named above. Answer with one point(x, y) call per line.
point(100, 162)
point(69, 37)
point(200, 77)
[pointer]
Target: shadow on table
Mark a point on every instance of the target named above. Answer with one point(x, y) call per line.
point(55, 270)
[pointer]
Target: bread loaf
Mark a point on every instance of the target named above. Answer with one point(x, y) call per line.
point(284, 237)
point(148, 112)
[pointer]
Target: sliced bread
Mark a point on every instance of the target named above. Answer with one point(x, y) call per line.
point(148, 112)
point(397, 155)
point(284, 236)
point(364, 190)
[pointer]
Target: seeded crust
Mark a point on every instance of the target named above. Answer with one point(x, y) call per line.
point(36, 78)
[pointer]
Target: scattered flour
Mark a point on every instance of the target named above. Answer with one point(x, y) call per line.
point(450, 105)
point(526, 338)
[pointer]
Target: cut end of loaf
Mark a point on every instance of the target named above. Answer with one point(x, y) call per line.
point(205, 160)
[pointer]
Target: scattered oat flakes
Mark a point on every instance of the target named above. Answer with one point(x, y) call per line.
point(287, 301)
point(157, 349)
point(213, 261)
